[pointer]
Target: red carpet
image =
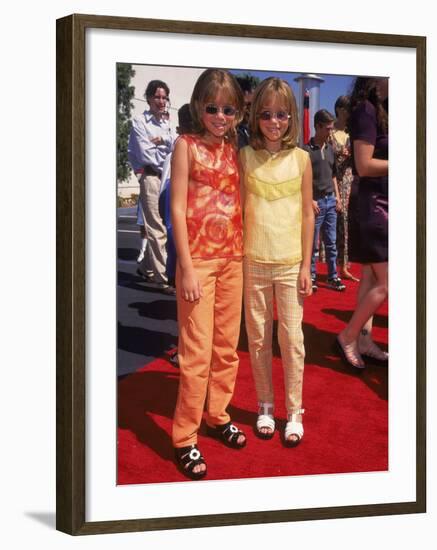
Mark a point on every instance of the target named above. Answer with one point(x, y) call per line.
point(346, 419)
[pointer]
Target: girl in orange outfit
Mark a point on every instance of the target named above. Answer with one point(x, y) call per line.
point(278, 236)
point(207, 226)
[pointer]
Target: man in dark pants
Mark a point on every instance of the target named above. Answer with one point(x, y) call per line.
point(326, 199)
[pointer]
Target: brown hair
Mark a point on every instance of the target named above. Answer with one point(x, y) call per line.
point(323, 117)
point(343, 102)
point(185, 122)
point(269, 87)
point(153, 85)
point(366, 88)
point(209, 84)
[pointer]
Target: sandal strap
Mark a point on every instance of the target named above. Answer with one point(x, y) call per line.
point(265, 416)
point(369, 348)
point(292, 416)
point(231, 432)
point(265, 421)
point(228, 434)
point(265, 409)
point(293, 428)
point(190, 456)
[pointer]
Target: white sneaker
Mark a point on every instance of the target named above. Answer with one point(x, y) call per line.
point(140, 257)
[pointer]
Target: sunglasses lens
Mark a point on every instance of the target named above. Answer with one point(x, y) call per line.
point(282, 116)
point(229, 111)
point(211, 109)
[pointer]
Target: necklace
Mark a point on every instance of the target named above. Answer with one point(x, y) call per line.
point(273, 154)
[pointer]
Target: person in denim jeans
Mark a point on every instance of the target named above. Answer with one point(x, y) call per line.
point(326, 198)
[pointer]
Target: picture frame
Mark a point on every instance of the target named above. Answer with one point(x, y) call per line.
point(72, 294)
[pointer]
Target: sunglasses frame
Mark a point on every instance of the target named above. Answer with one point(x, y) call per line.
point(218, 109)
point(273, 114)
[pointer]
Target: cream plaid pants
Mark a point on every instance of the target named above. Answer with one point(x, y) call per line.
point(262, 284)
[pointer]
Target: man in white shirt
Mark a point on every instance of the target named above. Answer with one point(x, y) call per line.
point(150, 142)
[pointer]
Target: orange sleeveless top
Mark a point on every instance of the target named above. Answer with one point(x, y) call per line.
point(214, 220)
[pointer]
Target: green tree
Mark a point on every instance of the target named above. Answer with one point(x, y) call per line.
point(125, 92)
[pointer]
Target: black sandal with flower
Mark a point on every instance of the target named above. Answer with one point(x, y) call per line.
point(228, 434)
point(187, 458)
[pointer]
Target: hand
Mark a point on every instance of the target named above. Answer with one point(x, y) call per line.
point(338, 206)
point(316, 208)
point(304, 283)
point(191, 287)
point(157, 141)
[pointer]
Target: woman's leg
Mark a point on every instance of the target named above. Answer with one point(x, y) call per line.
point(372, 292)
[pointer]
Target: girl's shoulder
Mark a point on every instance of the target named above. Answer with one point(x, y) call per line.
point(246, 153)
point(189, 142)
point(246, 150)
point(187, 138)
point(301, 154)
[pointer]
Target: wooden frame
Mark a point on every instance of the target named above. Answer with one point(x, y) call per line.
point(71, 248)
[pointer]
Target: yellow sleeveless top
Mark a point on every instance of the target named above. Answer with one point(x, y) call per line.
point(273, 204)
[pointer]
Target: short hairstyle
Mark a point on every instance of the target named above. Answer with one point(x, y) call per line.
point(185, 121)
point(209, 84)
point(153, 85)
point(269, 87)
point(323, 117)
point(343, 102)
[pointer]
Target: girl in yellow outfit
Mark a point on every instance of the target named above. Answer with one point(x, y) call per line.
point(207, 227)
point(278, 236)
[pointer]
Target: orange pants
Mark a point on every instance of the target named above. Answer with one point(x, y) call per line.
point(207, 349)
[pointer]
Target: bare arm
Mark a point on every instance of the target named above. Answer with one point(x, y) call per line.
point(305, 285)
point(191, 289)
point(366, 165)
point(337, 194)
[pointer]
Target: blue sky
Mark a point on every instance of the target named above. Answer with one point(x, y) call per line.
point(334, 85)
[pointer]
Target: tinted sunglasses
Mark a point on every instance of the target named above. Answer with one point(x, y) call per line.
point(227, 110)
point(282, 116)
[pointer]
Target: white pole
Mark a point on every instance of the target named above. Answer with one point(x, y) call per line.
point(310, 82)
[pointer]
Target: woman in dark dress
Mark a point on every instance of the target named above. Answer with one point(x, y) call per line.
point(368, 231)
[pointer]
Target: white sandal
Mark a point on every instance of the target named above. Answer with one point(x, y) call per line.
point(265, 420)
point(293, 427)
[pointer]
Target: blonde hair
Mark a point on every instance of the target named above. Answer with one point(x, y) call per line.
point(209, 84)
point(280, 90)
